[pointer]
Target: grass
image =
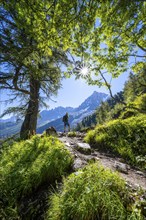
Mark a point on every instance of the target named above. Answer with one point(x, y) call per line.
point(125, 137)
point(26, 165)
point(72, 134)
point(93, 193)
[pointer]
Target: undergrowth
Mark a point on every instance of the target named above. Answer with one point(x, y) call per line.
point(93, 193)
point(25, 165)
point(126, 137)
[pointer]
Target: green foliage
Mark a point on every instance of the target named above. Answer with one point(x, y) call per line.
point(133, 108)
point(110, 109)
point(72, 134)
point(115, 112)
point(87, 122)
point(26, 165)
point(31, 61)
point(126, 137)
point(141, 161)
point(135, 86)
point(140, 102)
point(92, 193)
point(128, 113)
point(118, 35)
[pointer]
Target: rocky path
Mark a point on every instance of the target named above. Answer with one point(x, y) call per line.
point(83, 153)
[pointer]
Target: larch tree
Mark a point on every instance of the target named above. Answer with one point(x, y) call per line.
point(26, 71)
point(35, 36)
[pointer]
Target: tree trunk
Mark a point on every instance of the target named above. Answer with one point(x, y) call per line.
point(28, 127)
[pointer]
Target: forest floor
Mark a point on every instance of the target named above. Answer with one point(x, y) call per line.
point(76, 145)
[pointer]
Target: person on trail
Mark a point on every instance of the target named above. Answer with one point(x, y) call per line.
point(66, 123)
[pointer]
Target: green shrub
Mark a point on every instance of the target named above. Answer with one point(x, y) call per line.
point(140, 102)
point(90, 138)
point(72, 134)
point(128, 113)
point(138, 105)
point(92, 193)
point(26, 165)
point(127, 137)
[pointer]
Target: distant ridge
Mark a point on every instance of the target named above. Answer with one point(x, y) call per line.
point(86, 108)
point(53, 117)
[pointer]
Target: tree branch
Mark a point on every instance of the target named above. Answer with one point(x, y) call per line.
point(12, 88)
point(109, 87)
point(15, 78)
point(132, 55)
point(140, 47)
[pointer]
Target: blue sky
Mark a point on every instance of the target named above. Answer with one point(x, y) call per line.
point(74, 92)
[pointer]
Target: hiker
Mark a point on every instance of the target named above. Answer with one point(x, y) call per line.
point(66, 123)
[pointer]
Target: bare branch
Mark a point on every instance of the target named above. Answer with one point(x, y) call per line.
point(135, 55)
point(109, 87)
point(12, 88)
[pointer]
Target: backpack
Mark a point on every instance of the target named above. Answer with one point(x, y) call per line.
point(65, 118)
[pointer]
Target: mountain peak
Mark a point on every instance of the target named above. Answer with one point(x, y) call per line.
point(98, 93)
point(93, 101)
point(53, 117)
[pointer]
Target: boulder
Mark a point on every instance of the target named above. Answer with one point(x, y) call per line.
point(78, 163)
point(60, 134)
point(121, 167)
point(67, 144)
point(141, 173)
point(51, 131)
point(84, 148)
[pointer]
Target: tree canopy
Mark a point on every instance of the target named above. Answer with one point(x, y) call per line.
point(37, 37)
point(117, 42)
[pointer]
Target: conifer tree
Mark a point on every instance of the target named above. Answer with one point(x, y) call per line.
point(35, 36)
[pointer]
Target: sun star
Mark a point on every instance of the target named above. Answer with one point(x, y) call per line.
point(84, 71)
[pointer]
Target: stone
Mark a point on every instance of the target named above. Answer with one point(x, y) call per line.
point(78, 163)
point(140, 173)
point(93, 159)
point(75, 155)
point(121, 167)
point(94, 154)
point(60, 134)
point(96, 159)
point(67, 144)
point(84, 148)
point(51, 131)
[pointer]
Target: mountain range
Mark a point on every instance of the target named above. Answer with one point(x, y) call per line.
point(54, 116)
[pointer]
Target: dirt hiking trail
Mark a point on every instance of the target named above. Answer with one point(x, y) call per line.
point(83, 154)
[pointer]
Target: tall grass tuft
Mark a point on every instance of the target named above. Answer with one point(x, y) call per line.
point(126, 137)
point(26, 165)
point(92, 193)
